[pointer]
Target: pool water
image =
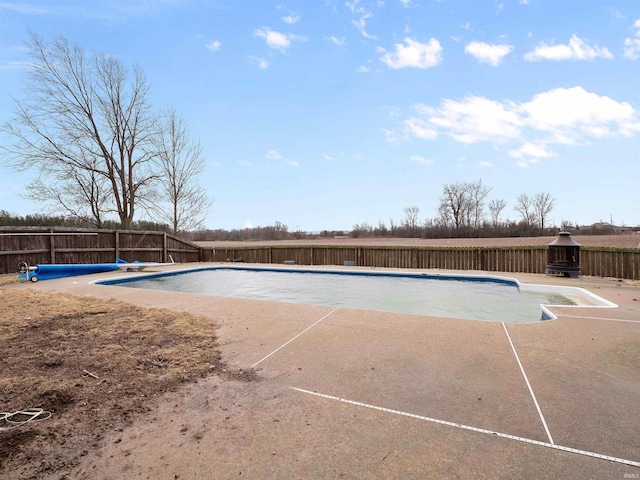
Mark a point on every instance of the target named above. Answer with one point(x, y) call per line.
point(498, 300)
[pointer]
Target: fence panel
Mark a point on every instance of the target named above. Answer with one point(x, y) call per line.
point(58, 245)
point(610, 262)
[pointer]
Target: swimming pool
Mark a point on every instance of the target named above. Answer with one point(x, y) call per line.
point(468, 297)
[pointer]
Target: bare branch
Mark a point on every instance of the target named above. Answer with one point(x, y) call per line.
point(83, 120)
point(543, 203)
point(181, 200)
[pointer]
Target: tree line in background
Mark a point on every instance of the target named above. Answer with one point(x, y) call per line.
point(101, 151)
point(463, 211)
point(7, 219)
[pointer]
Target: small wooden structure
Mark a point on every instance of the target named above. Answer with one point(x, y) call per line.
point(564, 256)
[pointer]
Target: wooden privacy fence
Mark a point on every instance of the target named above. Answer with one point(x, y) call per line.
point(57, 245)
point(601, 262)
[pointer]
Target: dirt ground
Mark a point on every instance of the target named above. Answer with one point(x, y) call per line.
point(95, 365)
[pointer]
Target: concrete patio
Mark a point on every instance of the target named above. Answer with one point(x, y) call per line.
point(348, 393)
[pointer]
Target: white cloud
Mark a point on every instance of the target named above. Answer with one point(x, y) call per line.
point(576, 49)
point(529, 150)
point(213, 45)
point(418, 127)
point(414, 54)
point(485, 164)
point(407, 3)
point(565, 116)
point(477, 119)
point(328, 158)
point(632, 48)
point(260, 62)
point(363, 69)
point(486, 53)
point(421, 160)
point(276, 40)
point(353, 6)
point(574, 111)
point(361, 22)
point(524, 164)
point(291, 19)
point(361, 25)
point(632, 45)
point(337, 41)
point(391, 136)
point(275, 155)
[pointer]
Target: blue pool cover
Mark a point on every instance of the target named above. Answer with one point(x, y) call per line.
point(48, 272)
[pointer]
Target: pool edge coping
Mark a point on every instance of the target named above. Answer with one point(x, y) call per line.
point(547, 314)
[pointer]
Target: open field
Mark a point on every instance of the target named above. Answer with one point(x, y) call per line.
point(612, 241)
point(332, 392)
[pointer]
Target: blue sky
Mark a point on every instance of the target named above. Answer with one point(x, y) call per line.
point(324, 114)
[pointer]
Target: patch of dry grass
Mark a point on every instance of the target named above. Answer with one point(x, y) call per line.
point(94, 364)
point(8, 279)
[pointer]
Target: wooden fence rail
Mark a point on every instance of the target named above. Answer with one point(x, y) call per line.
point(601, 262)
point(56, 245)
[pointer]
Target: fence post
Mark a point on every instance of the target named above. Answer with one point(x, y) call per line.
point(165, 257)
point(52, 247)
point(117, 243)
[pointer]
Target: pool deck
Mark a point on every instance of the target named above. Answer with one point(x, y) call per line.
point(363, 394)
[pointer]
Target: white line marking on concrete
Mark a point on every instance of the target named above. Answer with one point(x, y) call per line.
point(535, 401)
point(600, 318)
point(473, 429)
point(302, 332)
point(197, 305)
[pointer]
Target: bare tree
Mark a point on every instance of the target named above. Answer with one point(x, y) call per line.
point(543, 203)
point(566, 225)
point(381, 229)
point(453, 204)
point(81, 194)
point(393, 228)
point(281, 230)
point(462, 203)
point(181, 200)
point(411, 217)
point(86, 115)
point(524, 206)
point(477, 193)
point(495, 209)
